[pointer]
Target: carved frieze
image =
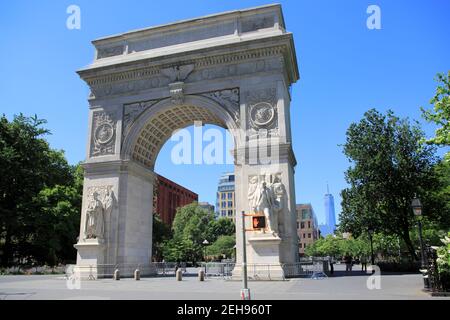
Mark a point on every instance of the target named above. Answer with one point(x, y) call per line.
point(114, 88)
point(132, 111)
point(235, 69)
point(228, 98)
point(177, 73)
point(200, 69)
point(103, 134)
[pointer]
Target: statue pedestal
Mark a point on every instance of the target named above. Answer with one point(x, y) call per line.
point(263, 258)
point(90, 259)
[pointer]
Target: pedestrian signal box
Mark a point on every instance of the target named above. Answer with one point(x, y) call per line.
point(259, 222)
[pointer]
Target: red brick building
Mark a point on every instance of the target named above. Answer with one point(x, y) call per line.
point(169, 196)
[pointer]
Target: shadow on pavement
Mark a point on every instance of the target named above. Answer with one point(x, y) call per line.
point(359, 273)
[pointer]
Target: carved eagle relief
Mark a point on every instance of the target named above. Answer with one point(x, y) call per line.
point(178, 73)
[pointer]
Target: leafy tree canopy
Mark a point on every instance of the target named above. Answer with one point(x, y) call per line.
point(191, 227)
point(39, 190)
point(440, 114)
point(389, 166)
point(223, 247)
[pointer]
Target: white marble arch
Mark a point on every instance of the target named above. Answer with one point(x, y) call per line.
point(232, 69)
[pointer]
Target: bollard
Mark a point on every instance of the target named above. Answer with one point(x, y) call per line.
point(116, 274)
point(137, 274)
point(179, 275)
point(201, 275)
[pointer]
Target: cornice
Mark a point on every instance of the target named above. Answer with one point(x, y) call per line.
point(139, 72)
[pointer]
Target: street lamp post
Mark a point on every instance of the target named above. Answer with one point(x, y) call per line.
point(417, 209)
point(372, 258)
point(416, 206)
point(205, 243)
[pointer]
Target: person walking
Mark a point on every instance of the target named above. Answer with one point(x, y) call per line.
point(348, 262)
point(331, 265)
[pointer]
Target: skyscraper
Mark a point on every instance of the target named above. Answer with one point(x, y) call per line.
point(330, 217)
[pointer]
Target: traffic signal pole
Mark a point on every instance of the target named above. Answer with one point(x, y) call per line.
point(245, 292)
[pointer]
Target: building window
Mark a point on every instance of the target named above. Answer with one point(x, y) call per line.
point(230, 195)
point(309, 235)
point(309, 224)
point(302, 225)
point(230, 204)
point(224, 213)
point(224, 204)
point(297, 224)
point(230, 213)
point(304, 214)
point(304, 235)
point(223, 195)
point(300, 244)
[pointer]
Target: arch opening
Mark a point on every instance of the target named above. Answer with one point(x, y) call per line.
point(157, 124)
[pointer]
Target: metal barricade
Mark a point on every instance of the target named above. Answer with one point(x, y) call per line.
point(258, 271)
point(314, 269)
point(218, 269)
point(168, 268)
point(255, 271)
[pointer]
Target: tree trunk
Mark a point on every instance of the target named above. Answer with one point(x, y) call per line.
point(6, 249)
point(409, 245)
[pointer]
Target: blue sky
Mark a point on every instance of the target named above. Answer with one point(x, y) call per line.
point(345, 70)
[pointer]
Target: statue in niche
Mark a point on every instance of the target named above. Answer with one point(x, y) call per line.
point(252, 191)
point(262, 200)
point(100, 206)
point(94, 218)
point(279, 192)
point(110, 201)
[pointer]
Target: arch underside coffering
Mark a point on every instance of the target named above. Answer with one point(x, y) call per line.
point(159, 128)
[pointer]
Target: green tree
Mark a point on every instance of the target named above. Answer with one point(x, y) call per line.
point(181, 250)
point(328, 246)
point(190, 229)
point(161, 233)
point(443, 262)
point(57, 221)
point(219, 227)
point(440, 114)
point(389, 167)
point(222, 247)
point(28, 165)
point(337, 246)
point(439, 198)
point(191, 226)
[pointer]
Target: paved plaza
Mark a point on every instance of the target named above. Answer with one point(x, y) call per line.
point(346, 287)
